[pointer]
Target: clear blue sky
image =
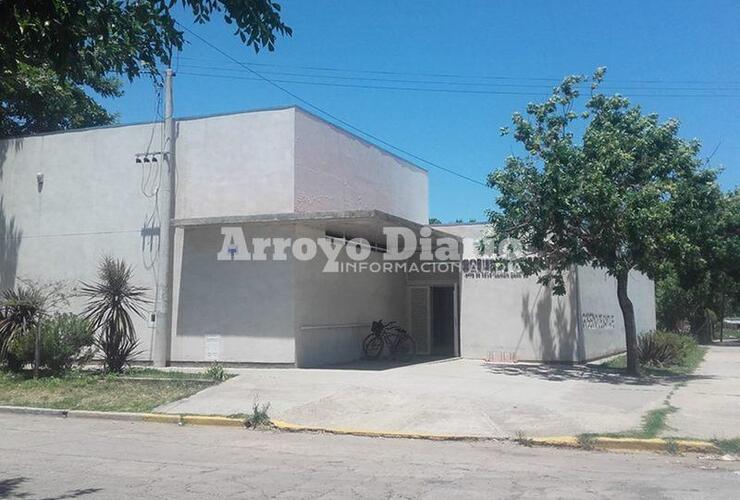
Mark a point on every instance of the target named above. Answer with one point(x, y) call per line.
point(664, 53)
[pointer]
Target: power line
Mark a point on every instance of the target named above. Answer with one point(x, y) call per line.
point(58, 235)
point(459, 75)
point(441, 82)
point(369, 79)
point(436, 89)
point(377, 87)
point(326, 113)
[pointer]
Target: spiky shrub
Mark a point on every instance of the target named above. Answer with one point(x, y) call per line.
point(20, 311)
point(663, 348)
point(111, 302)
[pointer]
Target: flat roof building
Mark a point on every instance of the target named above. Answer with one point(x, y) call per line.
point(247, 183)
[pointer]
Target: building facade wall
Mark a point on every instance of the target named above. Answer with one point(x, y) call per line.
point(243, 309)
point(239, 164)
point(601, 318)
point(276, 311)
point(521, 319)
point(518, 319)
point(335, 170)
point(97, 200)
point(93, 203)
point(334, 311)
point(513, 318)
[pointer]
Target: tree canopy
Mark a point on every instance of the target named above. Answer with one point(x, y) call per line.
point(704, 288)
point(52, 50)
point(604, 185)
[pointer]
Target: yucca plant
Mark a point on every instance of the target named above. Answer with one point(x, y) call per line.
point(663, 348)
point(111, 302)
point(20, 312)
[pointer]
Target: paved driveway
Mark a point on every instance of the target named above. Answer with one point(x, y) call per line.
point(454, 397)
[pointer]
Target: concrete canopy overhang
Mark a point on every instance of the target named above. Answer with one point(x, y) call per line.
point(368, 224)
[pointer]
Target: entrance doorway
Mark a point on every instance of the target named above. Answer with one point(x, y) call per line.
point(433, 319)
point(443, 321)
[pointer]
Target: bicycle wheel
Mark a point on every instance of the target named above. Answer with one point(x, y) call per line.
point(372, 346)
point(405, 348)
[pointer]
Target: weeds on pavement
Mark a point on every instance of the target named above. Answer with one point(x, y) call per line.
point(259, 416)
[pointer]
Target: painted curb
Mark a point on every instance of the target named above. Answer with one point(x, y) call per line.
point(30, 410)
point(106, 415)
point(162, 418)
point(289, 427)
point(554, 441)
point(627, 444)
point(213, 420)
point(597, 442)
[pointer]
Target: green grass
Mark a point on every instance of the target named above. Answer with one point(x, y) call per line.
point(690, 362)
point(89, 391)
point(586, 441)
point(730, 333)
point(654, 422)
point(731, 446)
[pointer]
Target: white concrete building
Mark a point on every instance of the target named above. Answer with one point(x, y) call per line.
point(66, 199)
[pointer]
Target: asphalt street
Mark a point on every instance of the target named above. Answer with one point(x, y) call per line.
point(48, 457)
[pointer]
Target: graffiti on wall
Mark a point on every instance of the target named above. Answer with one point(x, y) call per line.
point(596, 321)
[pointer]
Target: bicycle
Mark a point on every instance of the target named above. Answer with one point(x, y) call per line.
point(401, 346)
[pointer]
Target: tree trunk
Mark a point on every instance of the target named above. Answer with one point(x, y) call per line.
point(37, 350)
point(722, 313)
point(630, 328)
point(700, 325)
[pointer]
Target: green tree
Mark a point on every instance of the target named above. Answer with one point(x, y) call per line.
point(705, 287)
point(630, 195)
point(51, 50)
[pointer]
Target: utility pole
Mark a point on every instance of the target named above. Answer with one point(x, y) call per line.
point(166, 206)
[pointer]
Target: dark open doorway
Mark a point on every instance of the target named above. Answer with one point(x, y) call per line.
point(443, 321)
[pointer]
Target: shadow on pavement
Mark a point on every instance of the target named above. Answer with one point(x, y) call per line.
point(74, 494)
point(559, 373)
point(9, 487)
point(383, 364)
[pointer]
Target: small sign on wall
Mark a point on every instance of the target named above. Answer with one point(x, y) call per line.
point(213, 348)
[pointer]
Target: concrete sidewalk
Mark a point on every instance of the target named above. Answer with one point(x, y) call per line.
point(709, 405)
point(451, 397)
